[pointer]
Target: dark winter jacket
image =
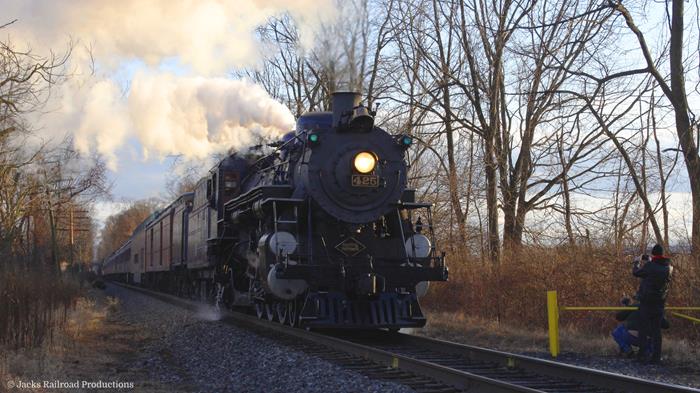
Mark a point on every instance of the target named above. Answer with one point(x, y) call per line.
point(631, 319)
point(656, 277)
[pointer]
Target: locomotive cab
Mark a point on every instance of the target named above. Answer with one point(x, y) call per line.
point(224, 182)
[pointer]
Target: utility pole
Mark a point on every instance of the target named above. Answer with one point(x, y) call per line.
point(77, 221)
point(72, 239)
point(52, 224)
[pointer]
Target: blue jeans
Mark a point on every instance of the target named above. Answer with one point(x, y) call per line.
point(624, 339)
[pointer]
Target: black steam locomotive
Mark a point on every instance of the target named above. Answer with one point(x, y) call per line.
point(322, 232)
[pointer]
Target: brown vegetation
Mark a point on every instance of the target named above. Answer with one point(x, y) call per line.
point(119, 227)
point(33, 305)
point(513, 293)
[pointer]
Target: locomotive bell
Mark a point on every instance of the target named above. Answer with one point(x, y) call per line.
point(361, 119)
point(350, 114)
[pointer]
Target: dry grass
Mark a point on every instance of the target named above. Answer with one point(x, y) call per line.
point(85, 318)
point(459, 327)
point(35, 304)
point(80, 321)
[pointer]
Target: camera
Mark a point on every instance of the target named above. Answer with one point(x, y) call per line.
point(644, 258)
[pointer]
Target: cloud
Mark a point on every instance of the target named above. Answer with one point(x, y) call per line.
point(208, 35)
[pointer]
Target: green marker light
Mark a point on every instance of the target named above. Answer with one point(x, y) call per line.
point(313, 138)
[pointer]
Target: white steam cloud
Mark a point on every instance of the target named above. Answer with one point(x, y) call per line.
point(173, 55)
point(200, 115)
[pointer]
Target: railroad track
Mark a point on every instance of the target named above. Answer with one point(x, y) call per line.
point(430, 365)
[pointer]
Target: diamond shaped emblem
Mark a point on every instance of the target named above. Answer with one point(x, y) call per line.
point(350, 247)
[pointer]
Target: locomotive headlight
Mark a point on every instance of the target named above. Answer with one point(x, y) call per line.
point(365, 162)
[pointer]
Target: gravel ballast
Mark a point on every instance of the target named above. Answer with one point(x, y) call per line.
point(195, 352)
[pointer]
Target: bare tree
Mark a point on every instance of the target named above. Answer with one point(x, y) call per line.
point(674, 89)
point(39, 184)
point(347, 55)
point(24, 80)
point(493, 71)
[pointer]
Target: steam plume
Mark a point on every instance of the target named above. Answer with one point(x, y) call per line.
point(156, 47)
point(196, 116)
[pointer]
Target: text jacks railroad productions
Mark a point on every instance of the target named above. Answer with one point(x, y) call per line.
point(61, 385)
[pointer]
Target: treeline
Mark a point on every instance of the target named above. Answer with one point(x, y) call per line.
point(533, 129)
point(46, 194)
point(119, 227)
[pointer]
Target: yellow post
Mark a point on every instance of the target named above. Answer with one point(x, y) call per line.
point(553, 319)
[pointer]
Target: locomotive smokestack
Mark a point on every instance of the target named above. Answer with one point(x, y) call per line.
point(342, 104)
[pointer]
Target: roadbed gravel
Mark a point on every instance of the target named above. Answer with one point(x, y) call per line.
point(193, 352)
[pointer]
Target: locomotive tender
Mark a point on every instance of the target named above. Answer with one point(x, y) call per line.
point(322, 232)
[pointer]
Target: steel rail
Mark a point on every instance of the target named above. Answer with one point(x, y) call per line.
point(601, 379)
point(564, 376)
point(457, 378)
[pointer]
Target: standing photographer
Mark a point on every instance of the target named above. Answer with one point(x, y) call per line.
point(653, 289)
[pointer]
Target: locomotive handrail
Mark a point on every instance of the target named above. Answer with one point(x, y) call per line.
point(278, 148)
point(434, 264)
point(255, 194)
point(291, 200)
point(412, 205)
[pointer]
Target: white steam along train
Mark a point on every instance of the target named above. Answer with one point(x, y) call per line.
point(322, 232)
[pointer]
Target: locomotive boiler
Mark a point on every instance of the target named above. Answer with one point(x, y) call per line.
point(321, 232)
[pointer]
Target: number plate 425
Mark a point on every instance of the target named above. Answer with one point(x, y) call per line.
point(365, 181)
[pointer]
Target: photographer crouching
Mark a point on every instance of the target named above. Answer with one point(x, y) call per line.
point(653, 289)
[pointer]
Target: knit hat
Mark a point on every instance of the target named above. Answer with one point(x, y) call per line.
point(657, 250)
